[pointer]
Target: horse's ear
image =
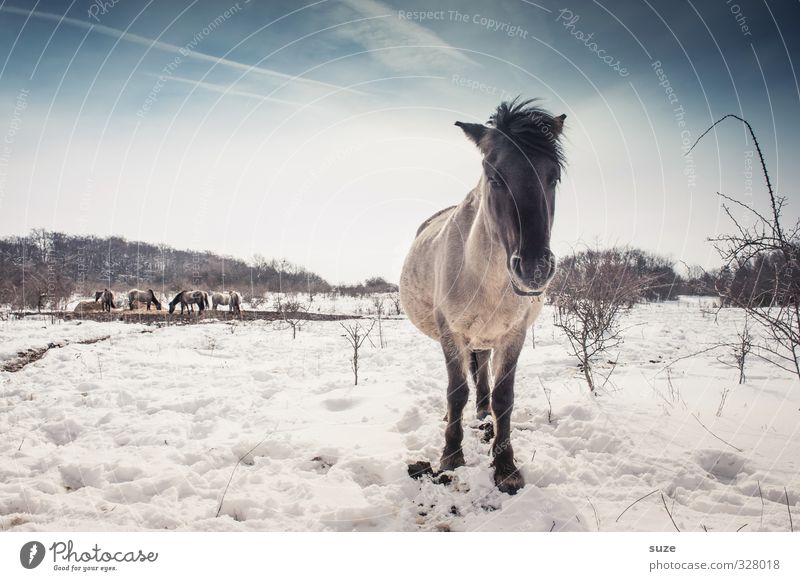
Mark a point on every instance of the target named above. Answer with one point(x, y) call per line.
point(558, 124)
point(475, 131)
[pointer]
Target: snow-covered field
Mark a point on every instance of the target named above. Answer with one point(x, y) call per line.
point(145, 430)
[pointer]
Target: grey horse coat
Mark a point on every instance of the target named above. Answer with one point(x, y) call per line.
point(475, 273)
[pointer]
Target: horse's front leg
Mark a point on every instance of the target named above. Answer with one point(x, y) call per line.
point(479, 367)
point(457, 394)
point(507, 477)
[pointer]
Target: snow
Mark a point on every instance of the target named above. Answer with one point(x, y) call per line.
point(145, 431)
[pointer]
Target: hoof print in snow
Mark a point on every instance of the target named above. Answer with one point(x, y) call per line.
point(419, 469)
point(322, 464)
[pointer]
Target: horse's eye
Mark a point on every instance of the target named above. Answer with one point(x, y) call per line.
point(495, 183)
point(552, 179)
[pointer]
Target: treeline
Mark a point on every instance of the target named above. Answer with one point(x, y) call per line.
point(47, 268)
point(766, 279)
point(653, 275)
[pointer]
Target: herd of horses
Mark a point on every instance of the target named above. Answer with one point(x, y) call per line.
point(186, 299)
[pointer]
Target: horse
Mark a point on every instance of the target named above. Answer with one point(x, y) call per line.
point(475, 273)
point(108, 299)
point(232, 299)
point(236, 302)
point(220, 299)
point(187, 299)
point(142, 297)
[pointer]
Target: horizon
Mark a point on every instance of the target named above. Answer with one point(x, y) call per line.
point(323, 133)
point(681, 269)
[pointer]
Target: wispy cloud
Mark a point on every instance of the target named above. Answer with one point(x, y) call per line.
point(386, 34)
point(229, 90)
point(184, 51)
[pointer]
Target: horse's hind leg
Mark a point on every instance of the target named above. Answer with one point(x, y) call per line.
point(479, 368)
point(457, 395)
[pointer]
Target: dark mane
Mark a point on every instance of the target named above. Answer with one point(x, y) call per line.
point(530, 128)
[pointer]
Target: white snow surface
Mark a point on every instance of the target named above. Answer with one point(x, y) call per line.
point(145, 431)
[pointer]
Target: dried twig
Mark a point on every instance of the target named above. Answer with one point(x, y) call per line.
point(695, 354)
point(596, 520)
point(789, 510)
point(634, 502)
point(741, 527)
point(716, 436)
point(669, 513)
point(224, 492)
point(761, 522)
point(549, 404)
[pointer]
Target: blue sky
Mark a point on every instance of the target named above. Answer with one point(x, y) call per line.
point(323, 131)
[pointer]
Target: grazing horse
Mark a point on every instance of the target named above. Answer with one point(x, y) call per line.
point(142, 297)
point(475, 273)
point(108, 299)
point(187, 299)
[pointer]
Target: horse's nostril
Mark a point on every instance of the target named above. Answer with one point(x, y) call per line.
point(535, 272)
point(542, 270)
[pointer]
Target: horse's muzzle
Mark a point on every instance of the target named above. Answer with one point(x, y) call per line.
point(530, 277)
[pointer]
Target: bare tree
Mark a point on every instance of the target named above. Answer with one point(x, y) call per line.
point(377, 302)
point(395, 299)
point(765, 242)
point(356, 334)
point(292, 314)
point(592, 292)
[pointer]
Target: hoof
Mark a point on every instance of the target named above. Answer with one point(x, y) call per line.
point(508, 480)
point(451, 460)
point(488, 431)
point(419, 469)
point(422, 469)
point(483, 413)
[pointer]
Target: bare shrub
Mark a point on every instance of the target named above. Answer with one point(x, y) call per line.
point(591, 292)
point(355, 334)
point(292, 314)
point(742, 348)
point(256, 302)
point(770, 252)
point(377, 302)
